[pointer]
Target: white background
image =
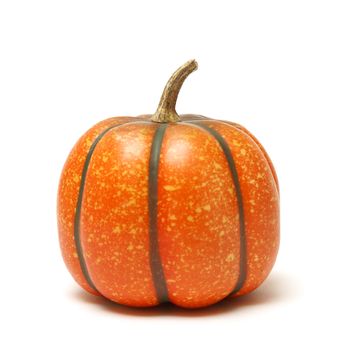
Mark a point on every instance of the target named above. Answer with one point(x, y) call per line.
point(280, 68)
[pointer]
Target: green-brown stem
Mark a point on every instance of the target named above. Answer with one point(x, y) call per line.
point(166, 112)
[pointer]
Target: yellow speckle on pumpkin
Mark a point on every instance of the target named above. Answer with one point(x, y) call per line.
point(217, 165)
point(207, 207)
point(116, 229)
point(236, 143)
point(104, 159)
point(76, 178)
point(171, 188)
point(172, 217)
point(130, 247)
point(230, 257)
point(243, 152)
point(75, 254)
point(131, 202)
point(198, 210)
point(190, 218)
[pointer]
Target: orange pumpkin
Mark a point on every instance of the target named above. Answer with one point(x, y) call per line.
point(172, 208)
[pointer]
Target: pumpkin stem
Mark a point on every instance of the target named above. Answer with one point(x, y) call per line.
point(166, 112)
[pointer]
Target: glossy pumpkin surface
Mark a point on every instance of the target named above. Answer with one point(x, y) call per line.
point(168, 208)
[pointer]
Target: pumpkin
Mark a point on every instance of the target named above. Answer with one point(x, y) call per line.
point(168, 208)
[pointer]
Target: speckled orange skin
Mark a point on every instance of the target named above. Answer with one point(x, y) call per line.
point(198, 216)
